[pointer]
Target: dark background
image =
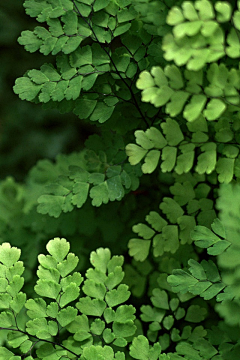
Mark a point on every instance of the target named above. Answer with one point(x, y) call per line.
point(27, 131)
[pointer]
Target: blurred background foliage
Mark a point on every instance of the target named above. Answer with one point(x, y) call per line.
point(27, 131)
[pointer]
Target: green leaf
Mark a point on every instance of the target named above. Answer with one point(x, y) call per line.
point(172, 131)
point(168, 156)
point(37, 308)
point(140, 349)
point(172, 209)
point(135, 153)
point(100, 259)
point(58, 248)
point(215, 109)
point(117, 296)
point(67, 266)
point(224, 11)
point(195, 107)
point(93, 307)
point(66, 316)
point(195, 314)
point(93, 289)
point(47, 288)
point(160, 299)
point(207, 160)
point(9, 255)
point(181, 281)
point(139, 249)
point(151, 161)
point(71, 293)
point(225, 169)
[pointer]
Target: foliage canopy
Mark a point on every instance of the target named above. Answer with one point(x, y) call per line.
point(156, 185)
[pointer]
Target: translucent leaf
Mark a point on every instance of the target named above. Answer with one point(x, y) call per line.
point(144, 231)
point(175, 16)
point(177, 101)
point(214, 109)
point(139, 249)
point(151, 161)
point(156, 137)
point(159, 76)
point(145, 81)
point(207, 160)
point(135, 153)
point(100, 258)
point(175, 77)
point(225, 169)
point(172, 131)
point(189, 11)
point(224, 11)
point(58, 248)
point(9, 255)
point(168, 156)
point(143, 140)
point(156, 221)
point(195, 107)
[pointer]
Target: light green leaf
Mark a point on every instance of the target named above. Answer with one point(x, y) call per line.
point(93, 307)
point(36, 308)
point(145, 80)
point(125, 329)
point(117, 296)
point(100, 259)
point(66, 316)
point(224, 11)
point(177, 101)
point(225, 169)
point(195, 107)
point(175, 16)
point(140, 349)
point(135, 153)
point(71, 293)
point(58, 248)
point(139, 249)
point(172, 131)
point(215, 109)
point(207, 160)
point(172, 209)
point(9, 255)
point(151, 161)
point(93, 289)
point(47, 288)
point(168, 156)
